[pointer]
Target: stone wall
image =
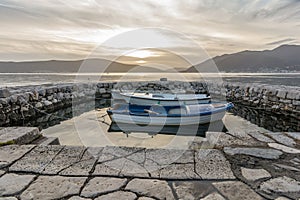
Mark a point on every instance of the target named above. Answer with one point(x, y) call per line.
point(274, 107)
point(25, 103)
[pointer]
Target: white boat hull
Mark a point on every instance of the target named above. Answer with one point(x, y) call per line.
point(183, 99)
point(155, 120)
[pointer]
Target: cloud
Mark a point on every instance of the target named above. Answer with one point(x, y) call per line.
point(284, 41)
point(219, 27)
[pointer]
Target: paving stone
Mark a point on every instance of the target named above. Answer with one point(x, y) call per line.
point(8, 198)
point(53, 187)
point(281, 184)
point(192, 189)
point(18, 135)
point(11, 153)
point(131, 168)
point(107, 168)
point(220, 140)
point(95, 151)
point(150, 188)
point(240, 133)
point(281, 138)
point(145, 198)
point(178, 171)
point(153, 168)
point(113, 152)
point(138, 157)
point(295, 161)
point(118, 195)
point(236, 190)
point(168, 156)
point(102, 185)
point(295, 135)
point(282, 198)
point(287, 167)
point(213, 196)
point(78, 198)
point(212, 164)
point(260, 137)
point(256, 152)
point(284, 148)
point(37, 159)
point(82, 167)
point(68, 156)
point(2, 172)
point(254, 174)
point(11, 184)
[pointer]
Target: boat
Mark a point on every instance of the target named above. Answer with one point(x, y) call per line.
point(161, 99)
point(168, 115)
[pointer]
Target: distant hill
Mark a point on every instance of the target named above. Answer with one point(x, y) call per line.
point(53, 66)
point(285, 58)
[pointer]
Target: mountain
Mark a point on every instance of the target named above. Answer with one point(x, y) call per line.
point(285, 58)
point(54, 66)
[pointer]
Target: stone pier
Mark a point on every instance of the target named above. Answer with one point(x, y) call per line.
point(235, 165)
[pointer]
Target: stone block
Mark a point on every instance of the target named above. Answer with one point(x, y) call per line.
point(260, 137)
point(110, 152)
point(191, 190)
point(68, 156)
point(178, 171)
point(53, 187)
point(281, 94)
point(212, 164)
point(281, 138)
point(220, 140)
point(295, 135)
point(296, 102)
point(18, 135)
point(102, 185)
point(151, 188)
point(12, 184)
point(8, 198)
point(117, 195)
point(284, 148)
point(78, 198)
point(256, 152)
point(11, 153)
point(145, 198)
point(213, 196)
point(236, 190)
point(168, 156)
point(37, 160)
point(286, 167)
point(4, 92)
point(280, 185)
point(294, 94)
point(82, 167)
point(254, 174)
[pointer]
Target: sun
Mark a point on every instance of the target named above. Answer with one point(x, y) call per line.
point(141, 54)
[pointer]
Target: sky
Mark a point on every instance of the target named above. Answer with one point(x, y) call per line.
point(76, 29)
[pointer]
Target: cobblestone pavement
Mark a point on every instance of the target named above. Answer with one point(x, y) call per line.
point(249, 165)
